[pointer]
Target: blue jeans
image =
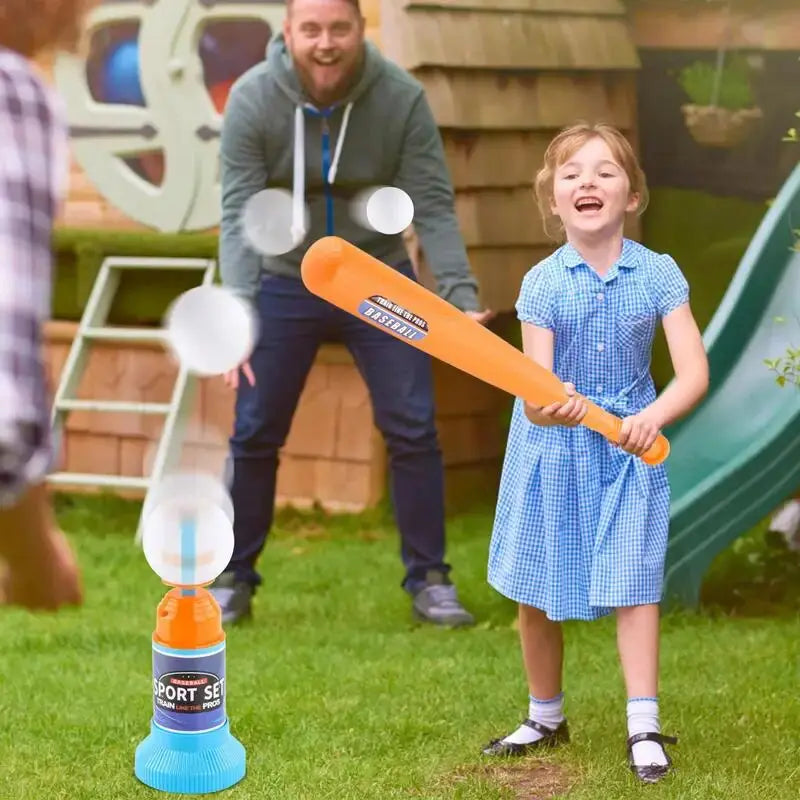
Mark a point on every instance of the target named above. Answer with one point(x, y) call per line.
point(294, 322)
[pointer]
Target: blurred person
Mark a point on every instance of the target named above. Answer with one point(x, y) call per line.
point(785, 522)
point(326, 116)
point(37, 567)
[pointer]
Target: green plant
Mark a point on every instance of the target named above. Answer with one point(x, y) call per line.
point(141, 300)
point(792, 134)
point(702, 80)
point(787, 366)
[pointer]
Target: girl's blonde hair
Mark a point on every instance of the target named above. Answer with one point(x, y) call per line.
point(36, 28)
point(564, 146)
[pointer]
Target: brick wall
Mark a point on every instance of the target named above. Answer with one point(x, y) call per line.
point(333, 456)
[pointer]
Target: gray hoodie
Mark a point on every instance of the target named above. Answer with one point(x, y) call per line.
point(383, 133)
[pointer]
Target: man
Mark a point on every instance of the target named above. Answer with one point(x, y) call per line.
point(37, 567)
point(326, 100)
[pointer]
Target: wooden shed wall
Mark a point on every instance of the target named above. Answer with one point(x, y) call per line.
point(502, 76)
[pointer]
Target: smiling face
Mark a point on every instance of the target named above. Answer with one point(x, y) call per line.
point(326, 40)
point(592, 192)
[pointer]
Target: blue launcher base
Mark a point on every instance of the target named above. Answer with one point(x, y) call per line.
point(190, 763)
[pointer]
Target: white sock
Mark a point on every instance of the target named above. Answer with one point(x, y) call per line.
point(549, 713)
point(643, 718)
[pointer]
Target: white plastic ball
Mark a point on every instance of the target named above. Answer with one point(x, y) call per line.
point(210, 330)
point(385, 209)
point(190, 487)
point(187, 542)
point(390, 210)
point(267, 222)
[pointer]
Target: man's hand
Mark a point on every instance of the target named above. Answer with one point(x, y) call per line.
point(232, 377)
point(483, 317)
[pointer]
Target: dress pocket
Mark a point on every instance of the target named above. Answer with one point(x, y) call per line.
point(635, 331)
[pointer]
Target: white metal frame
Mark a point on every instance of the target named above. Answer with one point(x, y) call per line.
point(93, 327)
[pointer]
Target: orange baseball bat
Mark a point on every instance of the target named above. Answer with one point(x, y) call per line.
point(353, 280)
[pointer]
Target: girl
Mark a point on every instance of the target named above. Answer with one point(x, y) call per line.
point(581, 524)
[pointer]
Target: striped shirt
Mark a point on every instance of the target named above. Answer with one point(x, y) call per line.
point(33, 167)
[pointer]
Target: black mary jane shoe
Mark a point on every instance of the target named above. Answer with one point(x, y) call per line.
point(551, 737)
point(650, 773)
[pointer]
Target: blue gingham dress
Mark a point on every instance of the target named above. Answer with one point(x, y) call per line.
point(581, 526)
point(34, 162)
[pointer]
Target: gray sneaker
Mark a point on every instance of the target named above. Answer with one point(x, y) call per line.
point(437, 602)
point(234, 597)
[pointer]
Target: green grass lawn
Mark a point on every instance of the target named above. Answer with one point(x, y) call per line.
point(336, 694)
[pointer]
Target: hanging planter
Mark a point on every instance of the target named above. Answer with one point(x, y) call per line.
point(722, 112)
point(713, 126)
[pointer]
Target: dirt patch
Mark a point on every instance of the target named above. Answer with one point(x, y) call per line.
point(313, 532)
point(528, 781)
point(372, 536)
point(307, 532)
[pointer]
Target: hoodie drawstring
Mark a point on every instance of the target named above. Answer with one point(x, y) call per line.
point(339, 144)
point(299, 168)
point(299, 179)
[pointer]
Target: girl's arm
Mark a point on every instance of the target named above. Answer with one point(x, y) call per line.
point(690, 362)
point(538, 345)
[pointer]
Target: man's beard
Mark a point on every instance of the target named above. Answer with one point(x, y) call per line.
point(329, 93)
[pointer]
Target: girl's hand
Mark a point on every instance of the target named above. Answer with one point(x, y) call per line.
point(568, 414)
point(639, 432)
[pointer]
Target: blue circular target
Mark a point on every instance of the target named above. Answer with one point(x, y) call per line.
point(121, 82)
